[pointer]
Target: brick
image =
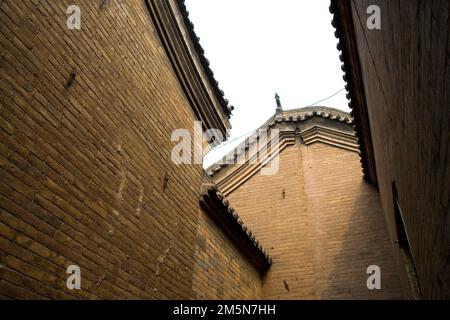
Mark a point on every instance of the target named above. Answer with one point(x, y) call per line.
point(325, 231)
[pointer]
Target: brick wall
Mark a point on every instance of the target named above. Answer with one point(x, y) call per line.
point(405, 73)
point(85, 171)
point(221, 270)
point(321, 223)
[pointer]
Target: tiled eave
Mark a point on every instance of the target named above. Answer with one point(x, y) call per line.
point(305, 126)
point(227, 109)
point(345, 33)
point(219, 209)
point(189, 64)
point(290, 116)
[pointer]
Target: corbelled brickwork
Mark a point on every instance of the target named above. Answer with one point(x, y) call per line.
point(85, 171)
point(321, 223)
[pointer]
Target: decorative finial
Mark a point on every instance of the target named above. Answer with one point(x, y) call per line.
point(279, 107)
point(277, 98)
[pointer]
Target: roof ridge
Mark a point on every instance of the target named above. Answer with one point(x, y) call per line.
point(318, 107)
point(305, 113)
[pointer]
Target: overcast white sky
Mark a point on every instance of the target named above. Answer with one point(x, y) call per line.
point(259, 47)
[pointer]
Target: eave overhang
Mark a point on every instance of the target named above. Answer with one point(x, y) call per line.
point(345, 32)
point(190, 66)
point(310, 125)
point(219, 209)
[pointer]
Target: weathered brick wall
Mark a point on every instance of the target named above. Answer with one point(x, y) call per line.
point(405, 72)
point(221, 270)
point(322, 224)
point(82, 168)
point(85, 170)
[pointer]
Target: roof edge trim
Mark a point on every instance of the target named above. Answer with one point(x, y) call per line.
point(351, 66)
point(219, 209)
point(189, 64)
